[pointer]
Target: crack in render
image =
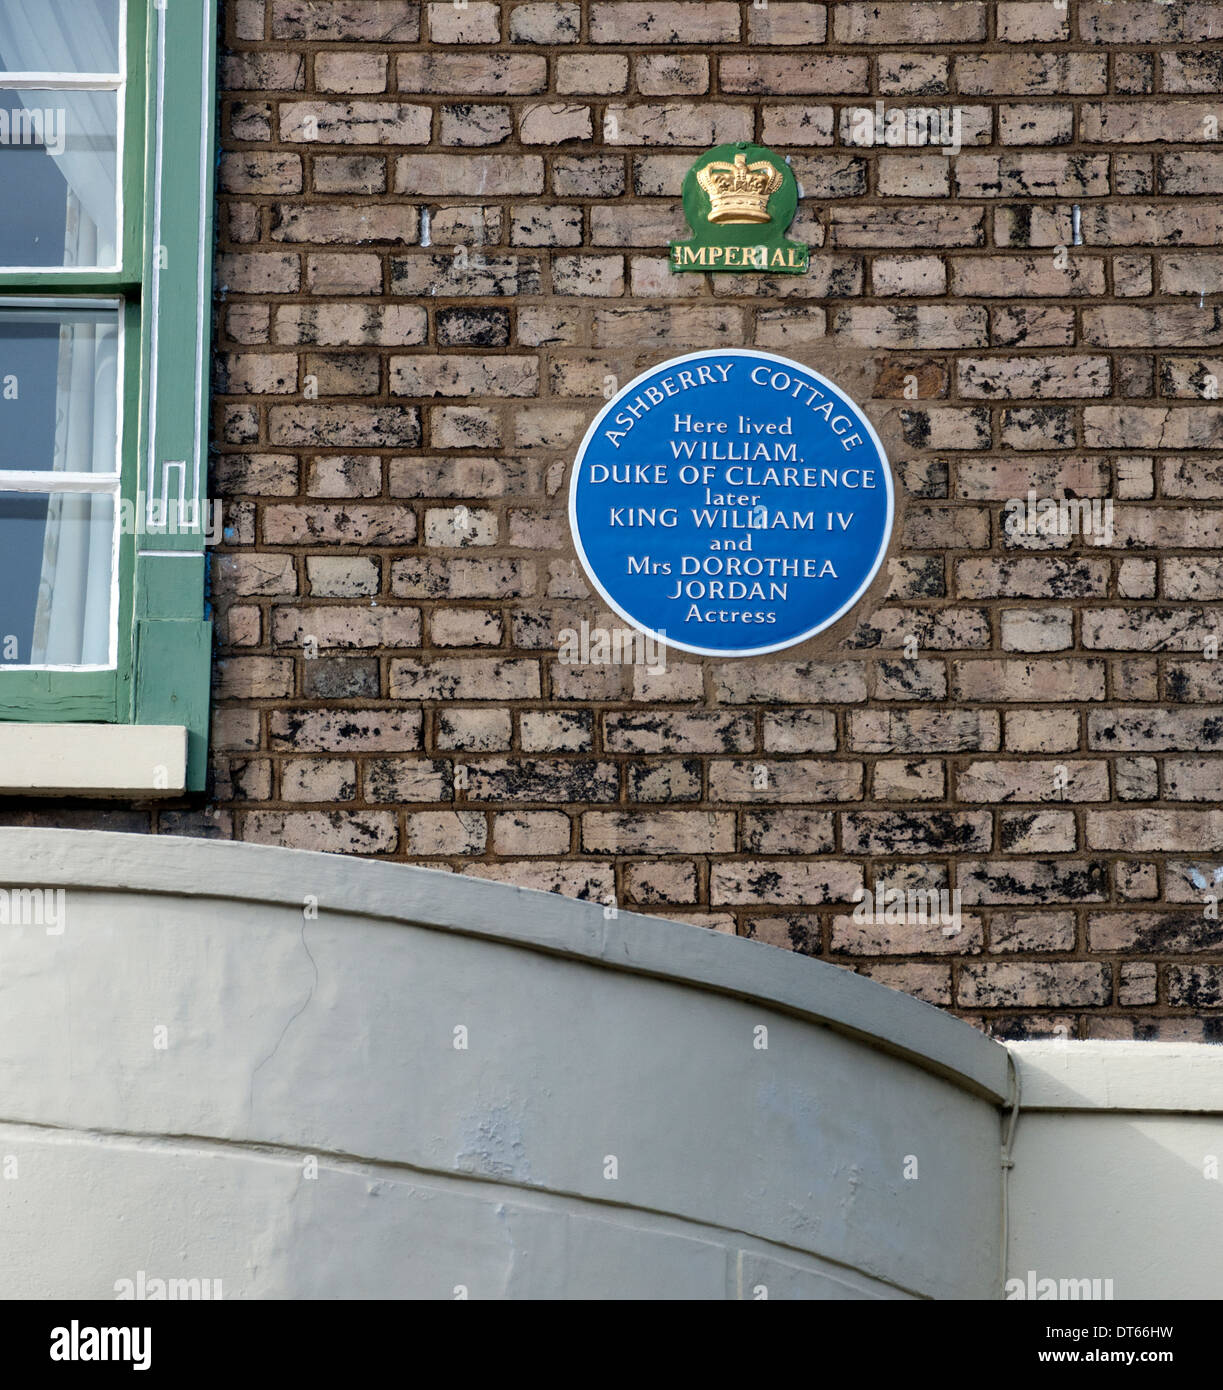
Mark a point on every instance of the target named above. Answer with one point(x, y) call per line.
point(305, 1004)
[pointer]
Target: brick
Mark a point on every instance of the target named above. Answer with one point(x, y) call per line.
point(793, 23)
point(347, 576)
point(928, 326)
point(921, 22)
point(1151, 426)
point(487, 175)
point(1056, 984)
point(479, 21)
point(375, 21)
point(351, 325)
point(318, 779)
point(1149, 122)
point(771, 881)
point(1031, 577)
point(672, 74)
point(454, 375)
point(490, 74)
point(704, 732)
point(255, 574)
point(446, 832)
point(781, 682)
point(1017, 378)
point(1031, 175)
point(893, 226)
point(543, 780)
point(475, 124)
point(1027, 275)
point(771, 75)
point(354, 123)
point(916, 832)
point(339, 273)
point(1032, 74)
point(1026, 123)
point(910, 936)
point(259, 273)
point(603, 74)
point(257, 171)
point(281, 72)
point(1033, 780)
point(1031, 21)
point(1133, 21)
point(591, 882)
point(348, 424)
point(1182, 71)
point(908, 73)
point(922, 731)
point(553, 123)
point(351, 73)
point(334, 832)
point(253, 678)
point(1031, 931)
point(348, 173)
point(344, 731)
point(349, 224)
point(668, 22)
point(534, 833)
point(545, 24)
point(672, 123)
point(661, 881)
point(659, 832)
point(1153, 829)
point(339, 626)
point(483, 678)
point(798, 780)
point(787, 832)
point(588, 176)
point(1006, 680)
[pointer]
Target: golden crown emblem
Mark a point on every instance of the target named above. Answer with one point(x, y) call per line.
point(739, 192)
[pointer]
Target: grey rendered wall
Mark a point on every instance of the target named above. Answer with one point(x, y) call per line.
point(289, 1039)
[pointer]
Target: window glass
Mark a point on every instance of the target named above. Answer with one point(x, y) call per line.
point(59, 389)
point(59, 35)
point(56, 568)
point(59, 170)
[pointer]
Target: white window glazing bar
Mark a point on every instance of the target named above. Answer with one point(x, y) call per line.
point(30, 480)
point(62, 81)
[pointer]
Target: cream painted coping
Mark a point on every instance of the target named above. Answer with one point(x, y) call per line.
point(675, 951)
point(1184, 1078)
point(93, 759)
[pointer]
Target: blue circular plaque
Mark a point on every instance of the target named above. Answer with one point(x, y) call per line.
point(731, 502)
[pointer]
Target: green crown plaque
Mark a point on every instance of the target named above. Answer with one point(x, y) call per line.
point(739, 200)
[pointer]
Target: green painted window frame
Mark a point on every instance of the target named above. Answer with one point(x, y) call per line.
point(164, 285)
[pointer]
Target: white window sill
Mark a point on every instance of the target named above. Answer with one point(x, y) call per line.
point(125, 760)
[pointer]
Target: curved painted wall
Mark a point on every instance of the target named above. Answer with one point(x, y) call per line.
point(239, 1063)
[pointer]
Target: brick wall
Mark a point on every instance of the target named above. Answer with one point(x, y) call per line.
point(443, 231)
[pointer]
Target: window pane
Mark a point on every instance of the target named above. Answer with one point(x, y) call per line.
point(56, 561)
point(59, 35)
point(58, 161)
point(59, 389)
